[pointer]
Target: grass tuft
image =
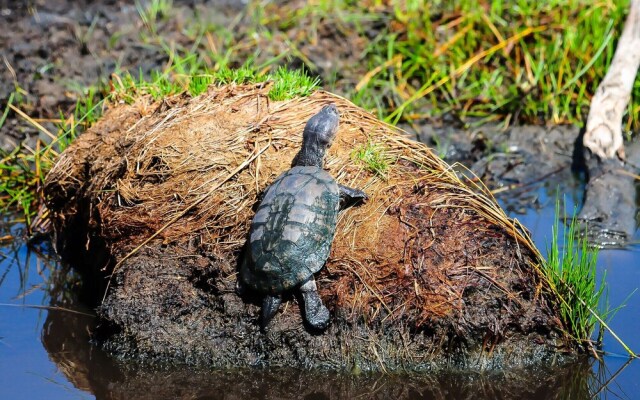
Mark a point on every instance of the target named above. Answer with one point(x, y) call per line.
point(287, 84)
point(154, 11)
point(292, 83)
point(23, 170)
point(373, 157)
point(571, 269)
point(247, 73)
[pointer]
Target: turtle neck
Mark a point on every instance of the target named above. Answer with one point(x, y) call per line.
point(310, 155)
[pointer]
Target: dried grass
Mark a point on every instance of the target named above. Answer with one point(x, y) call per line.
point(425, 248)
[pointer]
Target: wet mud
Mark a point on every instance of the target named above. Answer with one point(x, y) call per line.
point(52, 52)
point(515, 162)
point(510, 161)
point(609, 212)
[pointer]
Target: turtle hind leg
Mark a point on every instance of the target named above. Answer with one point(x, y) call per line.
point(270, 305)
point(315, 313)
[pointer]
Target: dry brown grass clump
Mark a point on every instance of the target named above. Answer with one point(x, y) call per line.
point(426, 251)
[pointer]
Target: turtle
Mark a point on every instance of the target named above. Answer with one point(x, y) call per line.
point(292, 230)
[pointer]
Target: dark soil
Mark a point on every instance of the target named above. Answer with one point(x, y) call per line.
point(106, 378)
point(610, 212)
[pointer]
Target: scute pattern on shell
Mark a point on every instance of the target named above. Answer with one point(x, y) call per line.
point(292, 231)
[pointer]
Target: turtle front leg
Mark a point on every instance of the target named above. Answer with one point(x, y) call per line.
point(270, 305)
point(315, 313)
point(350, 196)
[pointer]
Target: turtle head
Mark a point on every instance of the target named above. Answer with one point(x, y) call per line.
point(321, 128)
point(318, 135)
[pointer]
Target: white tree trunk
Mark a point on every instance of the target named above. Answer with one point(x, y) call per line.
point(603, 135)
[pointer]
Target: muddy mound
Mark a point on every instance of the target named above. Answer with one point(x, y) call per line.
point(155, 202)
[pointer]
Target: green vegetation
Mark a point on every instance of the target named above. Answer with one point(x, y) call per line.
point(155, 10)
point(481, 60)
point(290, 84)
point(287, 84)
point(19, 184)
point(571, 270)
point(24, 169)
point(373, 157)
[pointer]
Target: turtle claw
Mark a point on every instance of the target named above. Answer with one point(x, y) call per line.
point(350, 196)
point(320, 319)
point(270, 306)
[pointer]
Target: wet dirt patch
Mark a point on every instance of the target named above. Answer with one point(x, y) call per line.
point(610, 212)
point(53, 51)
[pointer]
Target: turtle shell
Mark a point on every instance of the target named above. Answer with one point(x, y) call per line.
point(292, 231)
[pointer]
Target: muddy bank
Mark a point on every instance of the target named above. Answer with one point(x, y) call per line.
point(426, 274)
point(513, 163)
point(609, 212)
point(510, 161)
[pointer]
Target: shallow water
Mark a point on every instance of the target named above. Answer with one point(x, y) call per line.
point(621, 268)
point(45, 352)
